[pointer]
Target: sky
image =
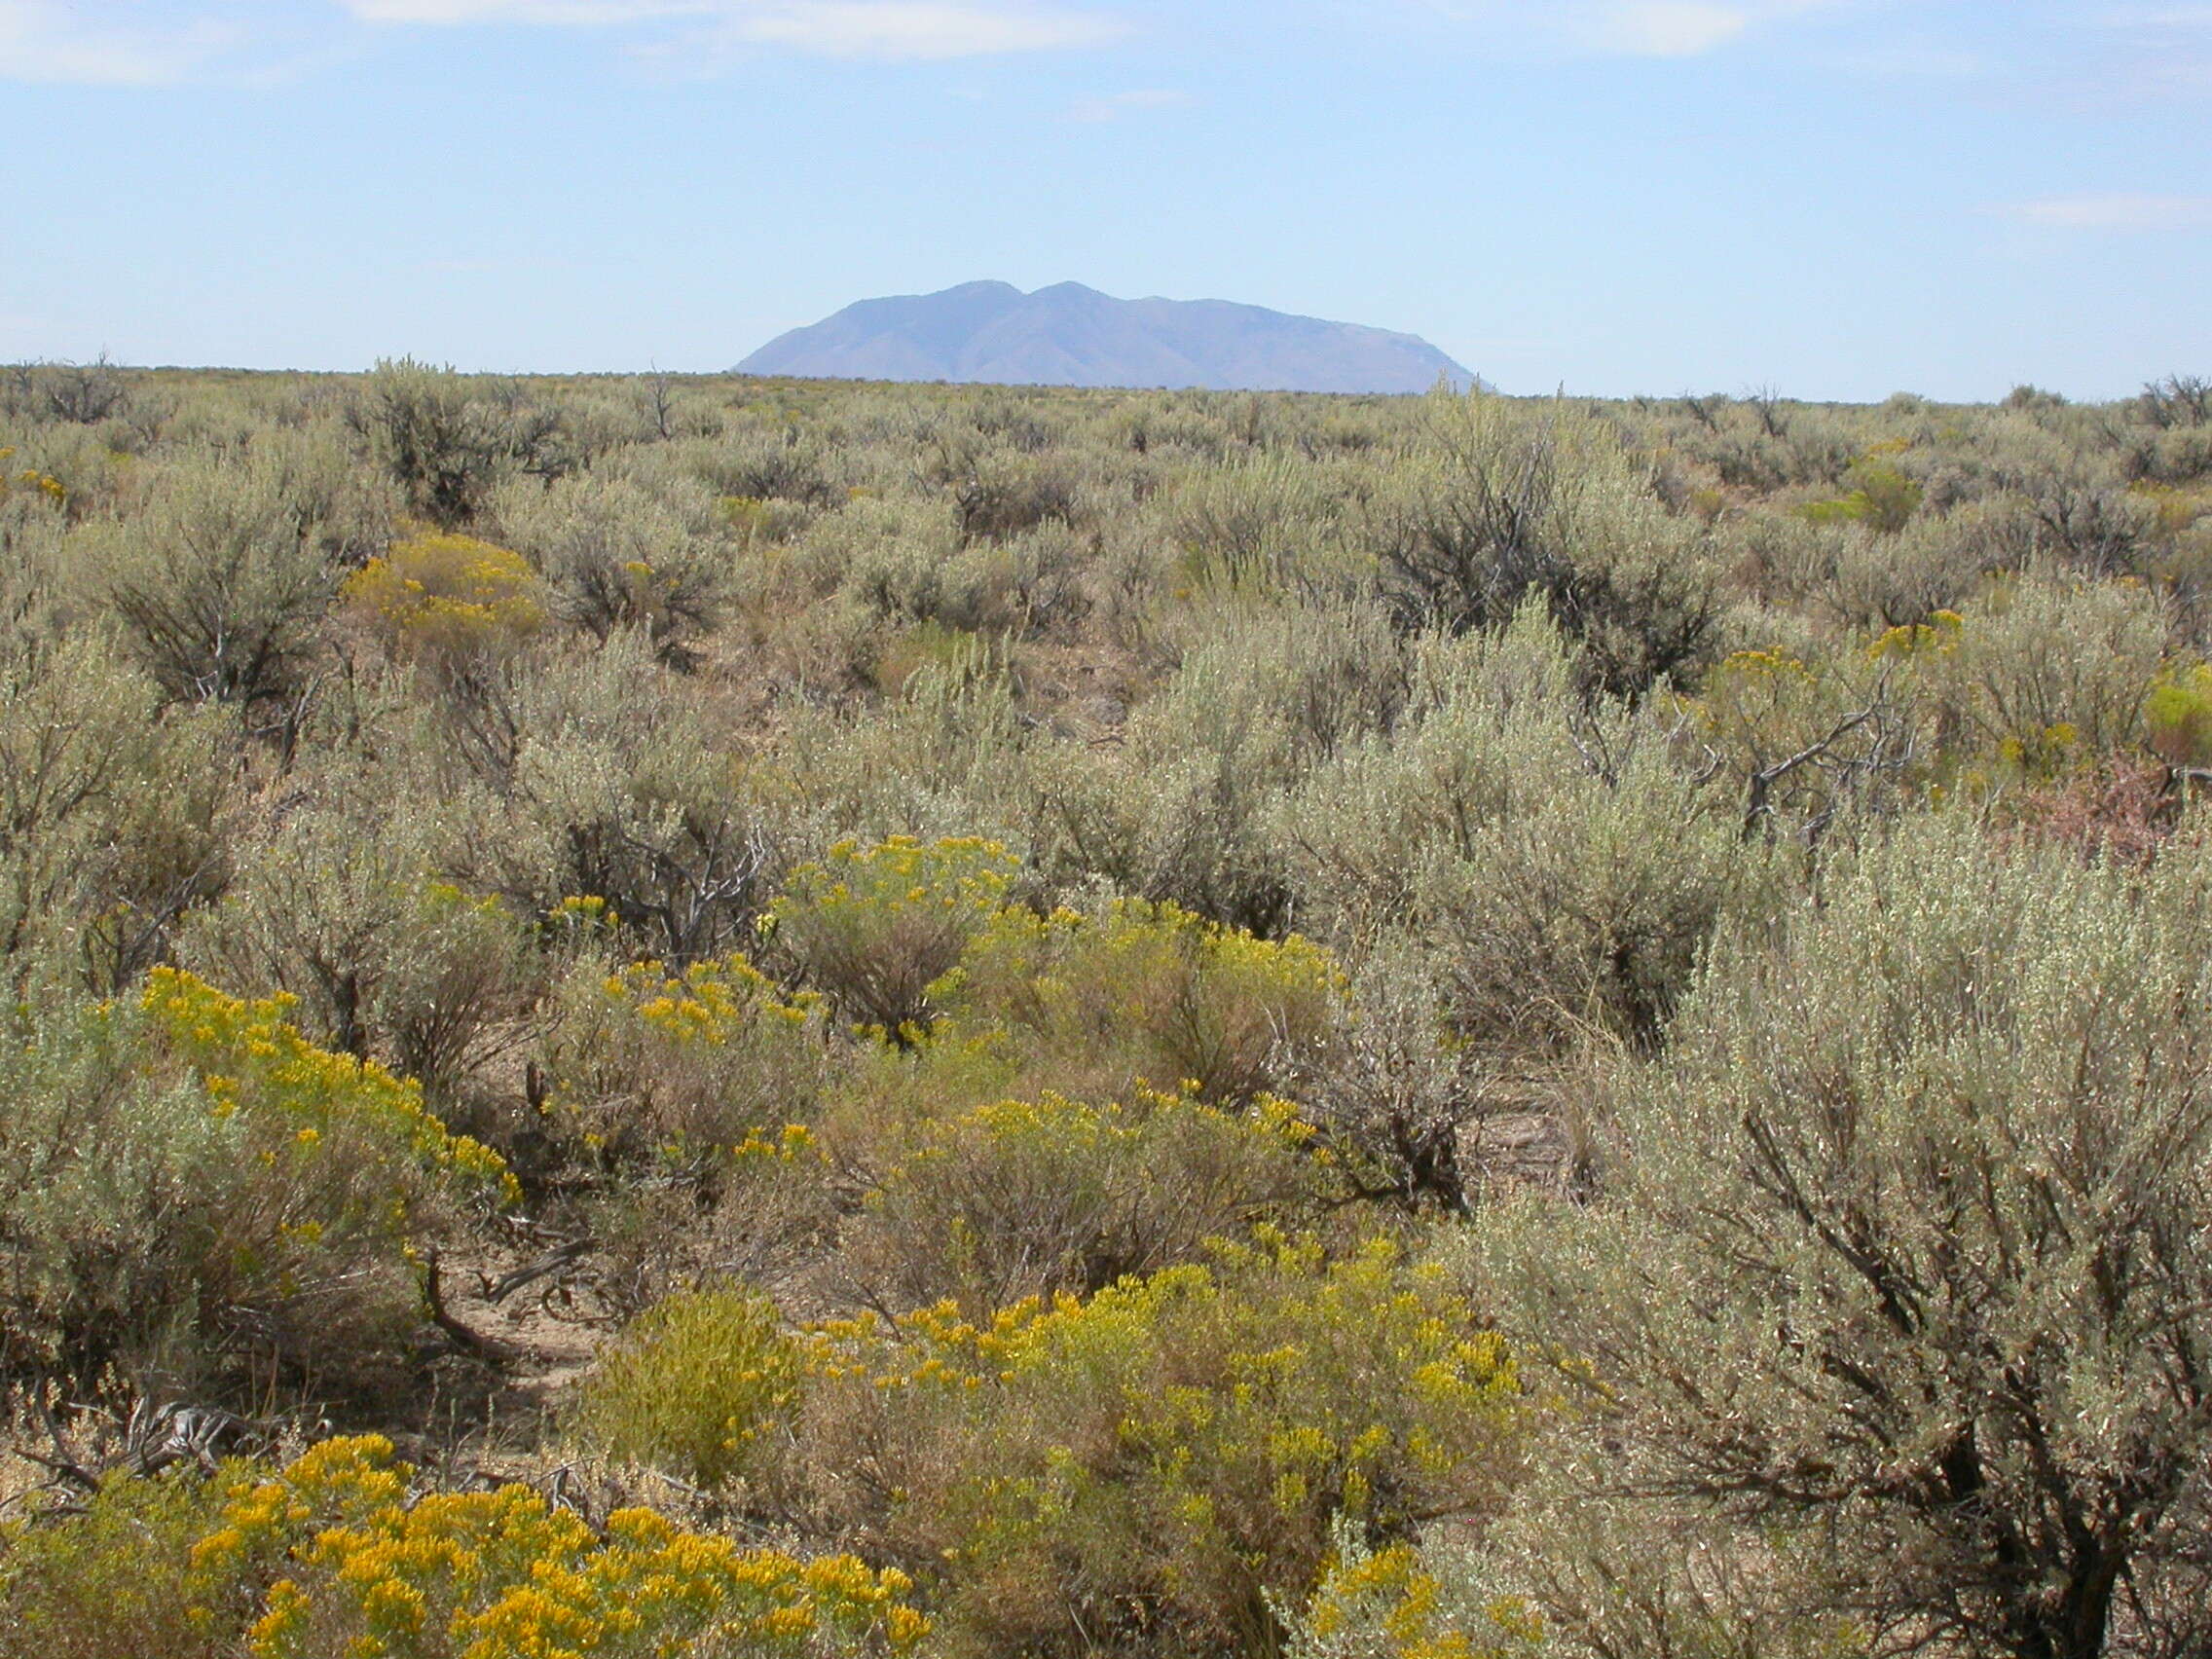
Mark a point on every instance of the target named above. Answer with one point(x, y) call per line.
point(1831, 199)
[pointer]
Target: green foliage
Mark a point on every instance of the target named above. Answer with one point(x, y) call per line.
point(2048, 674)
point(1023, 1198)
point(1140, 1471)
point(1882, 497)
point(619, 788)
point(2177, 716)
point(1906, 1227)
point(106, 1582)
point(1240, 811)
point(1395, 1604)
point(693, 1385)
point(617, 557)
point(1259, 697)
point(1140, 995)
point(191, 1185)
point(1565, 870)
point(875, 928)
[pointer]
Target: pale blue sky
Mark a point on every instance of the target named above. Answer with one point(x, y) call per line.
point(1835, 197)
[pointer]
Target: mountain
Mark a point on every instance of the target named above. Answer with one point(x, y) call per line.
point(1071, 335)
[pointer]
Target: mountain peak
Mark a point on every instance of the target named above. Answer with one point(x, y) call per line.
point(1068, 334)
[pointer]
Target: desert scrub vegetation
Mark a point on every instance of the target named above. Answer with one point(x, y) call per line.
point(195, 1189)
point(341, 1552)
point(1014, 1022)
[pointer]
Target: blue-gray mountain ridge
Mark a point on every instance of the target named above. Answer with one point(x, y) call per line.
point(1071, 335)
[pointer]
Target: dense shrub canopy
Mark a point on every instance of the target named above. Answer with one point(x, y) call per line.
point(1066, 1024)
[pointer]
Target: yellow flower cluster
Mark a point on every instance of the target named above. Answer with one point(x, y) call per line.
point(505, 1576)
point(30, 478)
point(1911, 642)
point(250, 1059)
point(1264, 1410)
point(932, 1347)
point(710, 1000)
point(1390, 1594)
point(449, 594)
point(960, 872)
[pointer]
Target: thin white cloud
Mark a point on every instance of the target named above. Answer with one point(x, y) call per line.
point(1114, 105)
point(1667, 28)
point(1616, 28)
point(841, 28)
point(41, 39)
point(2118, 210)
point(917, 28)
point(571, 13)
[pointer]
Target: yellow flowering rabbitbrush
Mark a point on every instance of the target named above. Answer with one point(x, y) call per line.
point(878, 926)
point(683, 1072)
point(449, 596)
point(1176, 1443)
point(694, 1383)
point(248, 1057)
point(353, 1564)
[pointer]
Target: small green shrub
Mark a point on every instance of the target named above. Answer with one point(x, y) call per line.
point(1037, 1198)
point(1140, 1471)
point(1139, 995)
point(2177, 716)
point(692, 1386)
point(106, 1583)
point(1882, 497)
point(617, 556)
point(1503, 505)
point(877, 927)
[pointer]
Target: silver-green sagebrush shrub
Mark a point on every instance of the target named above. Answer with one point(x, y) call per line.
point(1903, 1265)
point(1261, 696)
point(1502, 504)
point(194, 1190)
point(2047, 672)
point(615, 557)
point(382, 958)
point(1564, 868)
point(220, 583)
point(445, 438)
point(622, 788)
